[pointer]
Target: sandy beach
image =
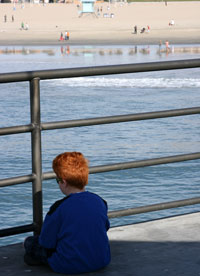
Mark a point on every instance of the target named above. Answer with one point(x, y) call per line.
point(113, 25)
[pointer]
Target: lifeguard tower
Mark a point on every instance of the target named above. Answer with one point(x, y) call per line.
point(87, 7)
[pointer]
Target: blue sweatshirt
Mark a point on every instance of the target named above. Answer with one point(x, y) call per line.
point(75, 228)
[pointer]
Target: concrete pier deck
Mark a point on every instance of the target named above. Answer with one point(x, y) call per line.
point(162, 247)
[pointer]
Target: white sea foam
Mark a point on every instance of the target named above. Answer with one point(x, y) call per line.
point(128, 82)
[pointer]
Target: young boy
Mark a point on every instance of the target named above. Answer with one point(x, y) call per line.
point(74, 238)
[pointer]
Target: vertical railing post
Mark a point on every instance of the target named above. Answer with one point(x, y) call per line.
point(36, 154)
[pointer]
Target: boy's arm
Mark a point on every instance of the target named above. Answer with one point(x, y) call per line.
point(50, 228)
point(107, 224)
point(107, 221)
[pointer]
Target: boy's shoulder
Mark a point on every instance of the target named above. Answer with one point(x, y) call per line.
point(56, 205)
point(99, 197)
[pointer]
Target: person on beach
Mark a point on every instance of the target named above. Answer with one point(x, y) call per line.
point(74, 237)
point(167, 47)
point(26, 27)
point(67, 35)
point(167, 44)
point(135, 29)
point(5, 18)
point(22, 25)
point(61, 37)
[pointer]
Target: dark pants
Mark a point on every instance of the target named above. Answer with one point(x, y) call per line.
point(35, 253)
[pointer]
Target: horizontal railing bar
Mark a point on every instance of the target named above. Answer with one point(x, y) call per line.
point(17, 230)
point(108, 168)
point(154, 207)
point(15, 129)
point(102, 120)
point(99, 70)
point(120, 118)
point(114, 214)
point(17, 180)
point(145, 163)
point(135, 164)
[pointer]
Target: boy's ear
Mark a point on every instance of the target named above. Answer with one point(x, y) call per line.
point(64, 182)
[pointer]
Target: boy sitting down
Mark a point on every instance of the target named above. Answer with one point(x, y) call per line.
point(74, 237)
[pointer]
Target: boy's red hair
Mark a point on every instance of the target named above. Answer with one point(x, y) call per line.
point(72, 167)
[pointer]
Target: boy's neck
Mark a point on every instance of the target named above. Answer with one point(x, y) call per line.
point(66, 189)
point(73, 190)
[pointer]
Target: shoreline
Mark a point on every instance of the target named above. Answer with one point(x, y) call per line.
point(134, 40)
point(90, 42)
point(90, 30)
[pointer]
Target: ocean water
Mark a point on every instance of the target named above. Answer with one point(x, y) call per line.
point(105, 144)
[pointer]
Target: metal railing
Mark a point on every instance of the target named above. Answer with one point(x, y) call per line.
point(36, 127)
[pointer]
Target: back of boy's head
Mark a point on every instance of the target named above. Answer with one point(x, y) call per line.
point(72, 167)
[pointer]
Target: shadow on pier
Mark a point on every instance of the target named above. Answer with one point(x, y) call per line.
point(163, 247)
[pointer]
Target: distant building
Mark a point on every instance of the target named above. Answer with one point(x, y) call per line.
point(87, 7)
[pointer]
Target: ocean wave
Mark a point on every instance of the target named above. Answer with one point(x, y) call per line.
point(128, 82)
